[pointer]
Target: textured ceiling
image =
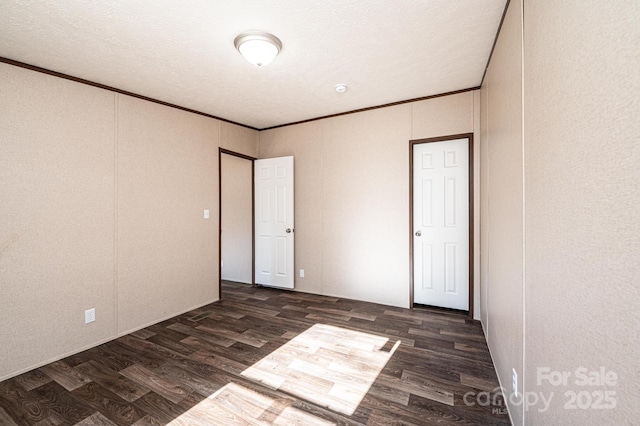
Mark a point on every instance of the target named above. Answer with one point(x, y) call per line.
point(181, 51)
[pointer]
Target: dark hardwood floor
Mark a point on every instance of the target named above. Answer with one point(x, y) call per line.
point(267, 356)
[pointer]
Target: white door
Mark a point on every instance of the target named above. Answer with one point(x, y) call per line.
point(441, 223)
point(274, 222)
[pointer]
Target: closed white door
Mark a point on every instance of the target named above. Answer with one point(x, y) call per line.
point(274, 222)
point(441, 223)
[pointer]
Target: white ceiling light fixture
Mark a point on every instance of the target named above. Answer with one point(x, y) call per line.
point(258, 47)
point(341, 88)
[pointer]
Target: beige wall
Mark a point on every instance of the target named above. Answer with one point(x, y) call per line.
point(352, 193)
point(237, 219)
point(577, 288)
point(102, 207)
point(57, 216)
point(166, 177)
point(239, 139)
point(582, 168)
point(502, 204)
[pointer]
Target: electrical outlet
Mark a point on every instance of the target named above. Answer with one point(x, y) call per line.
point(89, 315)
point(301, 273)
point(514, 382)
point(222, 263)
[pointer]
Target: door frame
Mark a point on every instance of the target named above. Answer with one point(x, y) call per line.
point(469, 137)
point(222, 151)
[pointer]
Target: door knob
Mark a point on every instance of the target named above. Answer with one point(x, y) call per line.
point(418, 233)
point(289, 230)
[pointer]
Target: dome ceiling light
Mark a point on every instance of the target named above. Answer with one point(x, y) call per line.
point(258, 47)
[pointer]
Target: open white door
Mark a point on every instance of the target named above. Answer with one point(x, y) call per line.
point(274, 222)
point(441, 223)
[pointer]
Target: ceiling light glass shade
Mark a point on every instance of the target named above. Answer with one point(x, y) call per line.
point(258, 47)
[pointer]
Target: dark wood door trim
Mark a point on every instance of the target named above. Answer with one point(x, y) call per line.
point(253, 213)
point(469, 137)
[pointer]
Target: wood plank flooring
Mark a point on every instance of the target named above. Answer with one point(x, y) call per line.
point(263, 356)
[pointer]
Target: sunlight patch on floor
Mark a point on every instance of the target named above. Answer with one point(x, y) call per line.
point(235, 404)
point(329, 366)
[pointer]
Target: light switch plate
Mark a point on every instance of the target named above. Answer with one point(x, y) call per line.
point(206, 213)
point(89, 315)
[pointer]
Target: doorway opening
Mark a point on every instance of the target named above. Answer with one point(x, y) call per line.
point(441, 223)
point(236, 240)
